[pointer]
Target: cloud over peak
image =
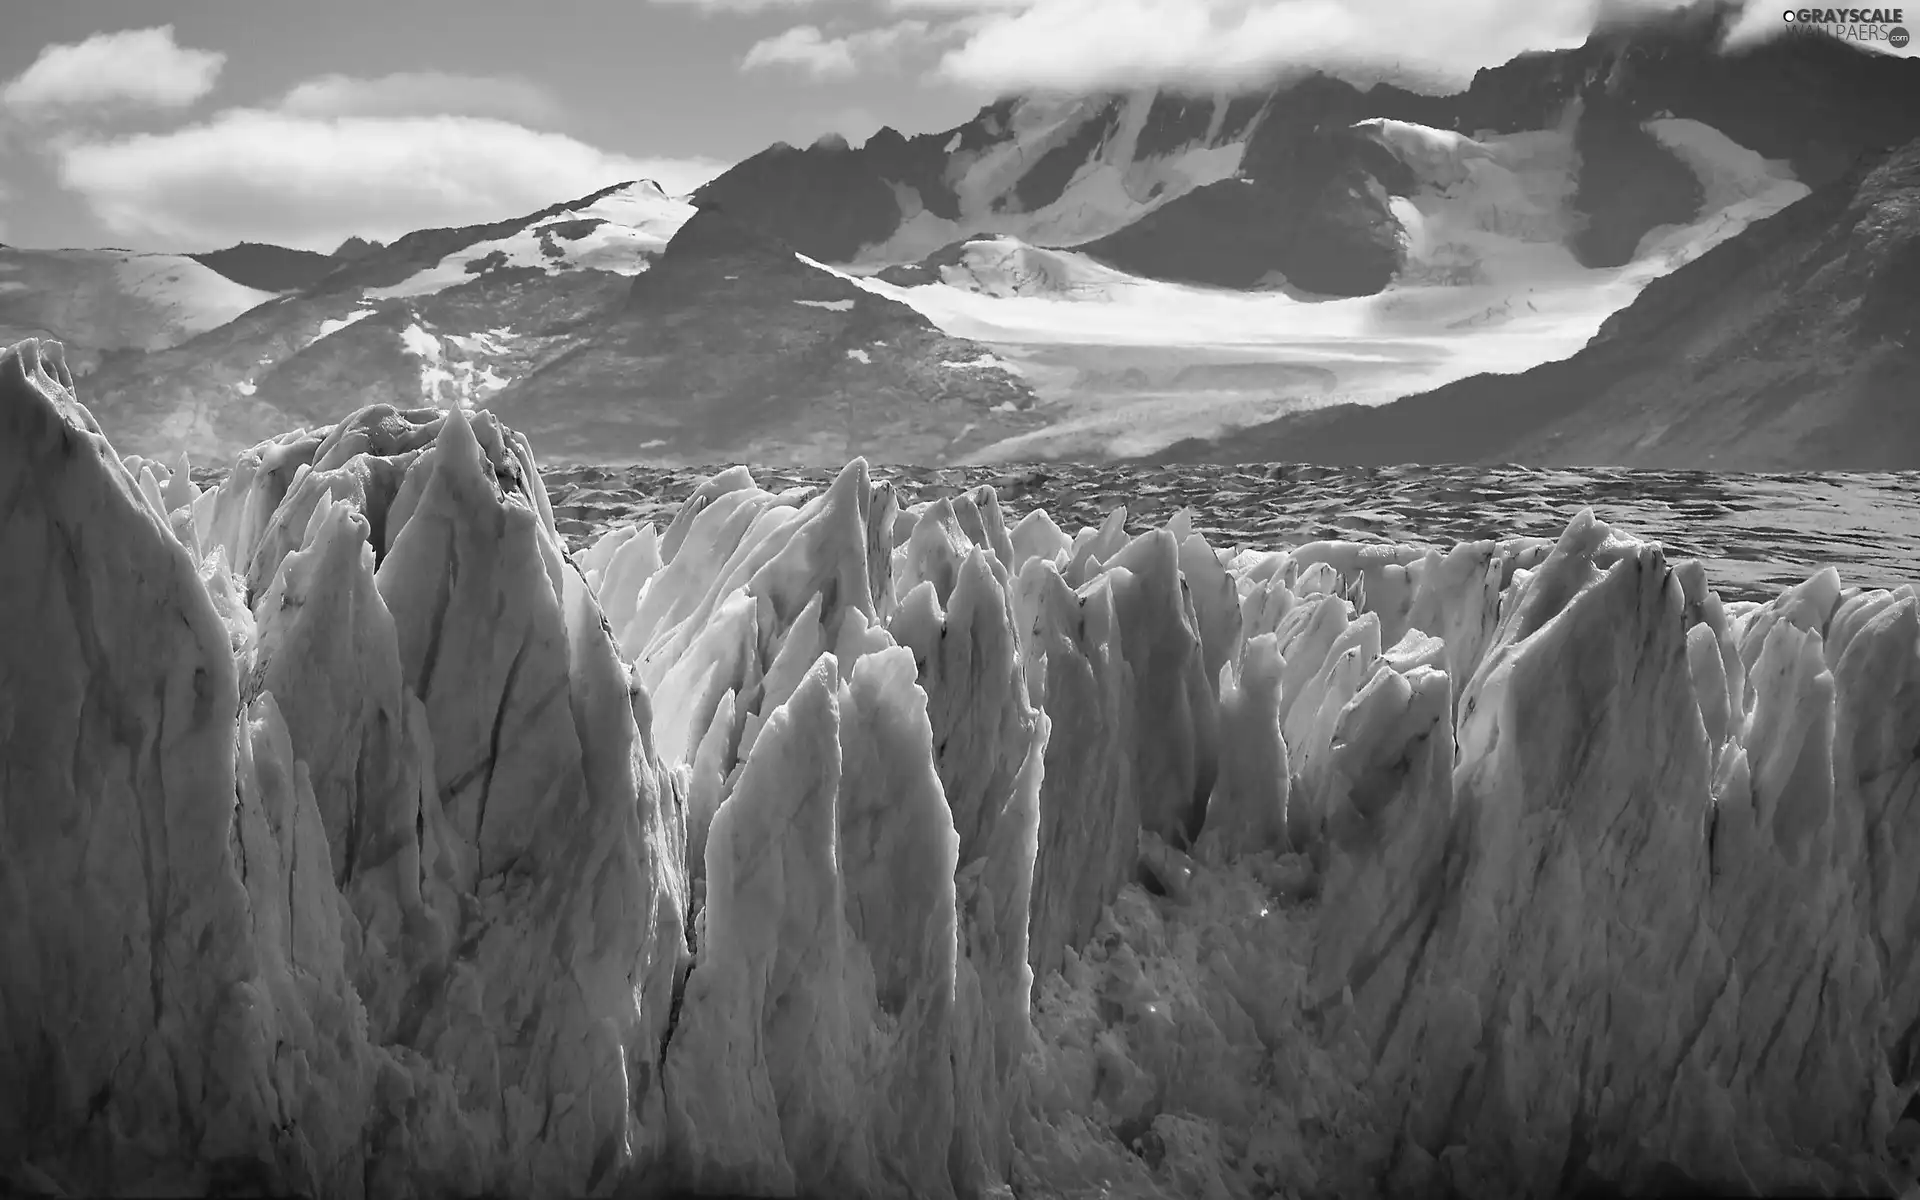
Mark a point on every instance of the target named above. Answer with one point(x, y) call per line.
point(809, 49)
point(138, 68)
point(1094, 45)
point(311, 182)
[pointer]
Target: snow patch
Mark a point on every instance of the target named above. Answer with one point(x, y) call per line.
point(632, 226)
point(120, 299)
point(490, 342)
point(985, 362)
point(1738, 188)
point(830, 305)
point(245, 387)
point(191, 295)
point(1008, 267)
point(334, 325)
point(860, 356)
point(437, 384)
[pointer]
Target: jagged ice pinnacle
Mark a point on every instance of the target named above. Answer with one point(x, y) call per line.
point(358, 840)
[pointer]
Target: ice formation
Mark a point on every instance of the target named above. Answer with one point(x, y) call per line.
point(359, 840)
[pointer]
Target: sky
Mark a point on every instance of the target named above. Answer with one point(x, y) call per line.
point(187, 125)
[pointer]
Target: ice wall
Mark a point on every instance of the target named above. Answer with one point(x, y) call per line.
point(358, 840)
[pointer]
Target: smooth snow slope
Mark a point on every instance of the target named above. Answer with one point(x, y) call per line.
point(116, 299)
point(1489, 286)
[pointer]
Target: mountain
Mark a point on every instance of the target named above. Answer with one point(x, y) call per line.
point(541, 313)
point(355, 247)
point(268, 268)
point(1794, 346)
point(1166, 267)
point(734, 348)
point(1105, 277)
point(1237, 189)
point(98, 302)
point(1488, 278)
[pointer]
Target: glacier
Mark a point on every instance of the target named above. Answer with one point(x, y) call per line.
point(361, 840)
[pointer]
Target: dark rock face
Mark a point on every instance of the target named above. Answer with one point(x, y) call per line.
point(1047, 180)
point(1790, 347)
point(1237, 233)
point(1628, 183)
point(730, 347)
point(355, 247)
point(1312, 207)
point(927, 270)
point(827, 203)
point(269, 268)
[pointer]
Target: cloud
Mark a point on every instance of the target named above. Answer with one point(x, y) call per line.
point(812, 51)
point(424, 93)
point(1011, 45)
point(129, 68)
point(309, 182)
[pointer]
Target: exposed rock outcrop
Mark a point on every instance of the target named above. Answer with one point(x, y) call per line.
point(731, 347)
point(816, 847)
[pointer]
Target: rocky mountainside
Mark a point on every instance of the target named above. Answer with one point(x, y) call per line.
point(731, 348)
point(1238, 190)
point(269, 268)
point(102, 303)
point(1794, 346)
point(553, 315)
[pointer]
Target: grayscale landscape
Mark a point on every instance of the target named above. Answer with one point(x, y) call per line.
point(1249, 601)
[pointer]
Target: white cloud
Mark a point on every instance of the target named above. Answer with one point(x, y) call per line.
point(131, 67)
point(1007, 45)
point(424, 93)
point(309, 182)
point(812, 51)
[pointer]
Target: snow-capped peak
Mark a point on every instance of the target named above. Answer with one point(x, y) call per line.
point(619, 230)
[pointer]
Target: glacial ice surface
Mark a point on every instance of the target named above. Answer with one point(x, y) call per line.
point(358, 840)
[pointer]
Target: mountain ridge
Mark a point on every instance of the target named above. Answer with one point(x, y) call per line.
point(1792, 346)
point(1283, 155)
point(557, 317)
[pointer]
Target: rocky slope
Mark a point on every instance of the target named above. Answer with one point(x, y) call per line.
point(1235, 190)
point(1793, 346)
point(732, 348)
point(552, 315)
point(103, 302)
point(268, 268)
point(818, 847)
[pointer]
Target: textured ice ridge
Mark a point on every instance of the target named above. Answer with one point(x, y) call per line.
point(357, 840)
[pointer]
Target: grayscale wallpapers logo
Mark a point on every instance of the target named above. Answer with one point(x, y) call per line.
point(1854, 24)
